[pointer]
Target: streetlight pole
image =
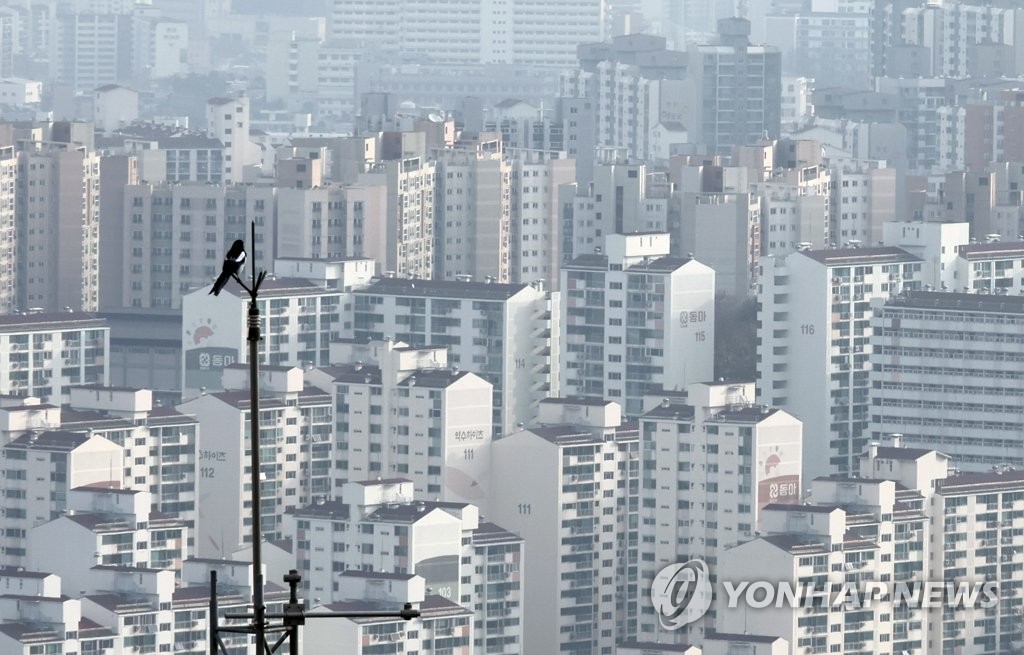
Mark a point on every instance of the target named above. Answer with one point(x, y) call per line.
point(294, 614)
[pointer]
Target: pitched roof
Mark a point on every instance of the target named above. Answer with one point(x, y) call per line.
point(394, 286)
point(848, 256)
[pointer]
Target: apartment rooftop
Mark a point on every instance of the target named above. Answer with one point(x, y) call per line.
point(437, 378)
point(57, 440)
point(282, 287)
point(240, 399)
point(854, 256)
point(488, 533)
point(432, 607)
point(745, 414)
point(394, 286)
point(50, 322)
point(966, 302)
point(409, 512)
point(654, 646)
point(902, 454)
point(673, 411)
point(1000, 249)
point(31, 633)
point(973, 483)
point(797, 544)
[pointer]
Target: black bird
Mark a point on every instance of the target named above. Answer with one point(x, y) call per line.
point(233, 263)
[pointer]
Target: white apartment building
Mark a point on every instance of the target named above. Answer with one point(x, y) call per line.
point(813, 354)
point(508, 334)
point(333, 221)
point(723, 231)
point(57, 244)
point(175, 237)
point(937, 245)
point(523, 32)
point(536, 237)
point(227, 120)
point(300, 317)
point(635, 86)
point(907, 517)
point(45, 354)
point(402, 412)
point(826, 40)
point(736, 89)
point(636, 305)
point(622, 199)
point(159, 442)
point(476, 565)
point(296, 421)
point(569, 485)
point(8, 230)
point(945, 375)
point(796, 209)
point(709, 467)
point(863, 202)
point(444, 627)
point(411, 184)
point(39, 468)
point(105, 526)
point(473, 232)
point(19, 92)
point(996, 268)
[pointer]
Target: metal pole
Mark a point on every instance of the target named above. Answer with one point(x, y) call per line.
point(213, 613)
point(254, 415)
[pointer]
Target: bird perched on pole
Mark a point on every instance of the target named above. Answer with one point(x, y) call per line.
point(233, 263)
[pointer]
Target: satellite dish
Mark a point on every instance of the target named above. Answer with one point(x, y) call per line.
point(407, 104)
point(435, 117)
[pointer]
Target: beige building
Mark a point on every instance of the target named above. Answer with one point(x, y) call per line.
point(474, 211)
point(58, 203)
point(176, 236)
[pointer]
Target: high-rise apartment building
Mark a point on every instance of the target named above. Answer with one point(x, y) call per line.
point(296, 421)
point(944, 375)
point(91, 44)
point(825, 40)
point(473, 233)
point(635, 319)
point(905, 518)
point(404, 413)
point(863, 200)
point(176, 236)
point(410, 179)
point(8, 230)
point(538, 178)
point(723, 231)
point(227, 120)
point(41, 467)
point(814, 343)
point(633, 86)
point(467, 561)
point(301, 316)
point(508, 334)
point(523, 32)
point(45, 354)
point(106, 526)
point(57, 241)
point(623, 198)
point(569, 486)
point(710, 464)
point(736, 89)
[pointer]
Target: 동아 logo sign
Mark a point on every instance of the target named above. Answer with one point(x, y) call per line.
point(681, 593)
